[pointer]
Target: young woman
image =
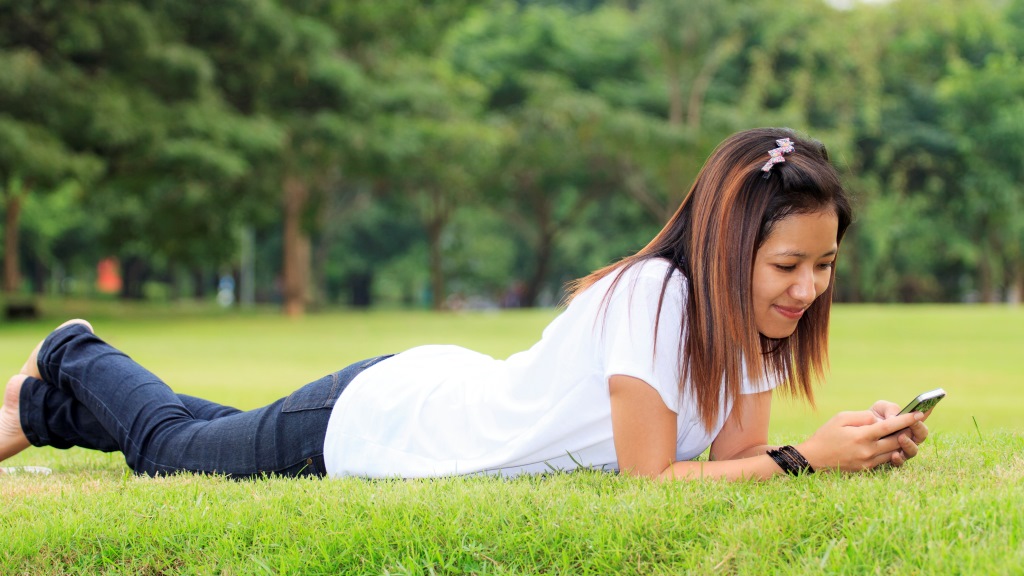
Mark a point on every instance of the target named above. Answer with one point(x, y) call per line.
point(656, 358)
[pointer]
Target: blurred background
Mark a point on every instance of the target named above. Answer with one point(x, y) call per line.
point(440, 154)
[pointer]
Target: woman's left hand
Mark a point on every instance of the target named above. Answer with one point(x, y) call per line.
point(909, 437)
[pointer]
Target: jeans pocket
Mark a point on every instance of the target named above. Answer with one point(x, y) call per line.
point(322, 393)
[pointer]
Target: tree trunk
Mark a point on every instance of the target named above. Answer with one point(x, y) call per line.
point(849, 289)
point(199, 287)
point(135, 273)
point(1015, 290)
point(175, 282)
point(318, 260)
point(247, 266)
point(545, 249)
point(361, 290)
point(330, 211)
point(434, 228)
point(986, 283)
point(40, 275)
point(674, 84)
point(436, 214)
point(12, 275)
point(674, 186)
point(547, 229)
point(699, 87)
point(296, 248)
point(660, 209)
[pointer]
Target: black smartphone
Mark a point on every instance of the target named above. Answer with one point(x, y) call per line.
point(925, 401)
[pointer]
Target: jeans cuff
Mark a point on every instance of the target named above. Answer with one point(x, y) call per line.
point(30, 401)
point(55, 345)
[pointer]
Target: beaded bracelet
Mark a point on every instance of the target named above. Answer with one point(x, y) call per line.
point(791, 461)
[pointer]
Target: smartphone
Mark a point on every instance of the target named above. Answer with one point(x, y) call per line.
point(925, 401)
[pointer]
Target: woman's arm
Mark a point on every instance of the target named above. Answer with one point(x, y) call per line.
point(644, 431)
point(745, 432)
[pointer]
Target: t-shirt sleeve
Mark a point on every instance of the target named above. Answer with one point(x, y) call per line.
point(628, 341)
point(752, 386)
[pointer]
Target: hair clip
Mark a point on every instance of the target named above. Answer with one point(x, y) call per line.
point(775, 155)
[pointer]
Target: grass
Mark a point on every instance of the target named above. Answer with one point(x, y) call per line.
point(954, 509)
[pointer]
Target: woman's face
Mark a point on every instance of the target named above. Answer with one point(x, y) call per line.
point(791, 269)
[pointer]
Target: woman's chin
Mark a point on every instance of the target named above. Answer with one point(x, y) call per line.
point(778, 332)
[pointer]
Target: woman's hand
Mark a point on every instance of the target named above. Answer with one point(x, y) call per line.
point(910, 438)
point(855, 441)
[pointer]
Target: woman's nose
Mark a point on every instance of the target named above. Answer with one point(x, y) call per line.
point(803, 287)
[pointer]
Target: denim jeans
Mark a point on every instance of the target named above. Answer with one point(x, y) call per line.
point(94, 396)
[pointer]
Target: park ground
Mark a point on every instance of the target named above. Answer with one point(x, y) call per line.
point(954, 509)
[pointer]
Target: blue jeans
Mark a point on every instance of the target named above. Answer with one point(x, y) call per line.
point(94, 396)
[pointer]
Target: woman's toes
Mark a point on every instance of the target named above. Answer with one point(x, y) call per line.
point(76, 321)
point(12, 392)
point(12, 437)
point(31, 365)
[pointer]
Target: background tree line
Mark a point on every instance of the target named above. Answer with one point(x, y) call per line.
point(433, 152)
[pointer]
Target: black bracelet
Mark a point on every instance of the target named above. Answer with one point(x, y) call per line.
point(791, 461)
point(797, 460)
point(785, 461)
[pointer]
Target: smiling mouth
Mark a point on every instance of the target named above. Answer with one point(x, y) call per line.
point(791, 313)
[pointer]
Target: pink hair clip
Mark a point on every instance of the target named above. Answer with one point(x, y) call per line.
point(775, 155)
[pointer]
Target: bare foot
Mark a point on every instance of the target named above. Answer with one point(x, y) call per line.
point(12, 437)
point(31, 366)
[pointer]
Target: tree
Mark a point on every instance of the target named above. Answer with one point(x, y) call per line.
point(33, 154)
point(555, 162)
point(984, 114)
point(694, 40)
point(283, 66)
point(31, 160)
point(910, 164)
point(438, 152)
point(412, 139)
point(556, 83)
point(118, 81)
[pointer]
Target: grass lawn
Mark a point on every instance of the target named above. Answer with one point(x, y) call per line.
point(955, 509)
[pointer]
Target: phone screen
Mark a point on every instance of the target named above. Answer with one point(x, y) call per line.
point(924, 402)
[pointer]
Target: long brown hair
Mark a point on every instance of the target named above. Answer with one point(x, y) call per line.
point(713, 237)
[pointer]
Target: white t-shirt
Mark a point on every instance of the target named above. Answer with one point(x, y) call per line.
point(446, 410)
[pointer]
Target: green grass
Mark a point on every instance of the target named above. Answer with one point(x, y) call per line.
point(955, 509)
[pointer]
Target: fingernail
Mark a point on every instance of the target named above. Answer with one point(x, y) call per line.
point(918, 416)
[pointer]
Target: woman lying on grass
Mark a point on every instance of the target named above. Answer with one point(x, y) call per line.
point(655, 358)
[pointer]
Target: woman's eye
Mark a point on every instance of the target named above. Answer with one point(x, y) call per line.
point(786, 267)
point(826, 265)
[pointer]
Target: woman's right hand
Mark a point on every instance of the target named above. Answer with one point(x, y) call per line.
point(855, 441)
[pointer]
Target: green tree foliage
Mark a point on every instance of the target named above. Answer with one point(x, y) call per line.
point(551, 78)
point(35, 152)
point(923, 217)
point(119, 89)
point(984, 113)
point(490, 147)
